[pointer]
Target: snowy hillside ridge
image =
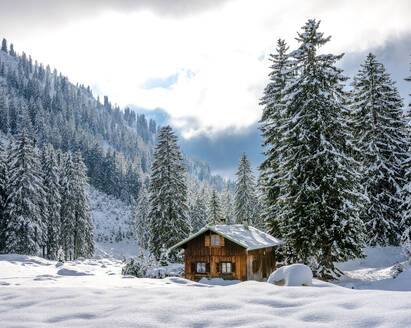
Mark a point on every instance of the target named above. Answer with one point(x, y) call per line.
point(377, 270)
point(93, 293)
point(113, 218)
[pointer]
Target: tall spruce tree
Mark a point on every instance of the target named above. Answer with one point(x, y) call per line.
point(380, 139)
point(270, 122)
point(406, 213)
point(318, 191)
point(4, 114)
point(26, 227)
point(214, 208)
point(168, 214)
point(141, 227)
point(52, 188)
point(83, 227)
point(245, 199)
point(67, 213)
point(3, 197)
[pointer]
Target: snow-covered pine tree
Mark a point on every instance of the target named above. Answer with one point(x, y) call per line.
point(273, 103)
point(3, 197)
point(214, 208)
point(4, 45)
point(52, 189)
point(319, 195)
point(406, 213)
point(227, 205)
point(141, 227)
point(4, 113)
point(380, 140)
point(83, 228)
point(245, 199)
point(168, 214)
point(25, 204)
point(67, 213)
point(198, 212)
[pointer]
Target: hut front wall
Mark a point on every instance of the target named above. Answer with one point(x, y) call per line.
point(260, 264)
point(197, 251)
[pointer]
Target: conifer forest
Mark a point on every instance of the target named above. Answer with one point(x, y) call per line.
point(88, 186)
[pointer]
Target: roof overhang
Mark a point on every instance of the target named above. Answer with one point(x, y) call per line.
point(205, 229)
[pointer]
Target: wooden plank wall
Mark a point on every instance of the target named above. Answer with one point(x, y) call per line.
point(196, 251)
point(260, 264)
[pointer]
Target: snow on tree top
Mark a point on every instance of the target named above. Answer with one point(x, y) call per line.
point(247, 237)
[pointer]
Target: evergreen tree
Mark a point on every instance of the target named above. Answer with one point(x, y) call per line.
point(214, 208)
point(52, 188)
point(141, 227)
point(4, 114)
point(13, 117)
point(318, 191)
point(198, 213)
point(3, 197)
point(168, 217)
point(25, 208)
point(406, 213)
point(380, 139)
point(245, 199)
point(67, 213)
point(4, 46)
point(270, 123)
point(83, 227)
point(12, 52)
point(227, 205)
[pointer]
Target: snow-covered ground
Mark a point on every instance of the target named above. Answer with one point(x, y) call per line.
point(376, 271)
point(92, 293)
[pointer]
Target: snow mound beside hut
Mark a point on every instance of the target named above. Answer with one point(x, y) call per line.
point(292, 275)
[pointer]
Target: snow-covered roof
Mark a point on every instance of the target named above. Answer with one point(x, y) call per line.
point(247, 237)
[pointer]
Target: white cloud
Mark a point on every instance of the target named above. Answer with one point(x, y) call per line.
point(119, 51)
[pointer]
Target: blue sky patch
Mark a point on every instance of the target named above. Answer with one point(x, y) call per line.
point(159, 82)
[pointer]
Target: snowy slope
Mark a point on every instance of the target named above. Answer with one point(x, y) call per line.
point(113, 219)
point(113, 226)
point(376, 271)
point(38, 293)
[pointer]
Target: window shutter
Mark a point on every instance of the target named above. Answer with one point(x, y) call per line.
point(207, 240)
point(193, 267)
point(221, 241)
point(208, 267)
point(217, 267)
point(232, 267)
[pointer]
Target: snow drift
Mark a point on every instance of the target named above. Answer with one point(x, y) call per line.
point(292, 275)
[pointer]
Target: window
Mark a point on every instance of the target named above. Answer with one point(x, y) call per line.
point(226, 267)
point(215, 240)
point(201, 267)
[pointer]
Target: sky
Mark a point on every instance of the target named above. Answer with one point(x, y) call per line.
point(201, 64)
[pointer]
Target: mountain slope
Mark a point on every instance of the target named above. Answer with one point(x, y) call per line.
point(116, 145)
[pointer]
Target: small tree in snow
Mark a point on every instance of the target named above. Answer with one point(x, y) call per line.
point(214, 208)
point(227, 205)
point(141, 227)
point(245, 198)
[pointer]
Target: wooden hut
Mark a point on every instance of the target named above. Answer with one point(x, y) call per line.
point(235, 251)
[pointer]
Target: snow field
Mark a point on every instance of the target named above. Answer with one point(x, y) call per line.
point(92, 293)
